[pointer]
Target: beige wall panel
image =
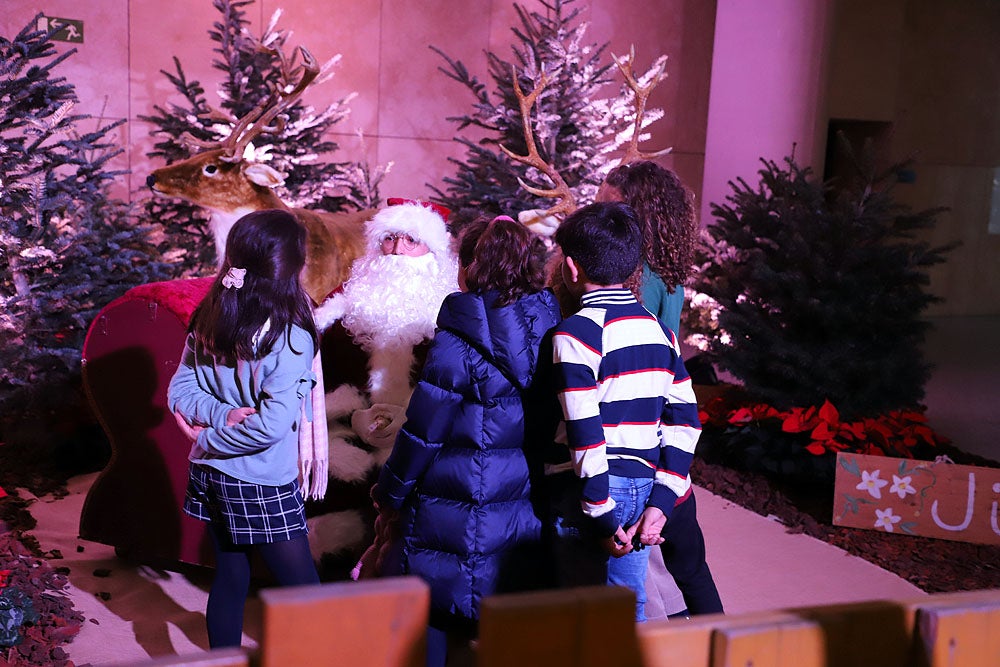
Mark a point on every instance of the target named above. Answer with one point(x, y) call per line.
point(949, 94)
point(415, 98)
point(417, 162)
point(353, 30)
point(969, 279)
point(864, 59)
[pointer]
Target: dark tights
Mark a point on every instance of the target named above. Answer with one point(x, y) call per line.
point(289, 562)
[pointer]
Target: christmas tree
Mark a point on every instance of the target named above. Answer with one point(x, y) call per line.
point(820, 290)
point(252, 67)
point(68, 247)
point(576, 130)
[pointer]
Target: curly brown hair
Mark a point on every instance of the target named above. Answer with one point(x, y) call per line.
point(502, 255)
point(666, 212)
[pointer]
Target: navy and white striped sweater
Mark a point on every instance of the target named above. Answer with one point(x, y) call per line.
point(627, 400)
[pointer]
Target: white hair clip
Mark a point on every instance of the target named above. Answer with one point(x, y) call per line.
point(234, 278)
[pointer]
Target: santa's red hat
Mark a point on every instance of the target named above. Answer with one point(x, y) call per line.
point(423, 221)
point(441, 210)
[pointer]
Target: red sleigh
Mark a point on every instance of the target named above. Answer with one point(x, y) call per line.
point(131, 351)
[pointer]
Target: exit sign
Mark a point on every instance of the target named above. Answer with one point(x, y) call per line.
point(67, 30)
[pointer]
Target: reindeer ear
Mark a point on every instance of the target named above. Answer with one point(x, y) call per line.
point(261, 174)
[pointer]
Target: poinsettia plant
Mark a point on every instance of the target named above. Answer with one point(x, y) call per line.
point(802, 442)
point(896, 433)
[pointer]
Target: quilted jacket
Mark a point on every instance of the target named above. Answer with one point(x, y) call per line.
point(461, 468)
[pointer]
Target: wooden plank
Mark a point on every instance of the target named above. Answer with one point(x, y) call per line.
point(678, 642)
point(940, 500)
point(378, 622)
point(875, 633)
point(592, 626)
point(959, 629)
point(220, 657)
point(688, 642)
point(775, 640)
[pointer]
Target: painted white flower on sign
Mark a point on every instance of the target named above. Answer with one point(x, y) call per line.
point(902, 486)
point(871, 483)
point(886, 519)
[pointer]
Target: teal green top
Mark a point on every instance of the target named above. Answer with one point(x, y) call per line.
point(264, 448)
point(657, 300)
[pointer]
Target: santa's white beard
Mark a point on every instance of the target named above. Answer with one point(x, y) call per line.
point(391, 303)
point(393, 300)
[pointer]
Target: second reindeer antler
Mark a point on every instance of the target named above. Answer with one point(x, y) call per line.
point(567, 202)
point(657, 74)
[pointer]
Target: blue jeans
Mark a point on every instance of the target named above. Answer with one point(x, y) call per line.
point(580, 558)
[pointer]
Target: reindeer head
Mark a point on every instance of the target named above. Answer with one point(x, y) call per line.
point(220, 177)
point(213, 180)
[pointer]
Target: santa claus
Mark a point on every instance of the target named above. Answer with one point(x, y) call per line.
point(376, 332)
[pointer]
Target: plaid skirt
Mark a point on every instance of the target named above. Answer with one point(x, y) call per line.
point(248, 513)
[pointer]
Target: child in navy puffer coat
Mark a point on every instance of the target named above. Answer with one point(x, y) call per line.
point(461, 471)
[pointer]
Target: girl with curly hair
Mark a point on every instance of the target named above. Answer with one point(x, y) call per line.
point(666, 213)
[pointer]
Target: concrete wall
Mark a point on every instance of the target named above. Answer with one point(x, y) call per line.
point(403, 100)
point(747, 79)
point(931, 70)
point(767, 91)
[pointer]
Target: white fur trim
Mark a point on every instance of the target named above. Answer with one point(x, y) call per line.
point(330, 311)
point(347, 462)
point(337, 531)
point(344, 400)
point(419, 221)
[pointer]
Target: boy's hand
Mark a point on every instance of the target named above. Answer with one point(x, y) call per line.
point(648, 527)
point(618, 544)
point(237, 415)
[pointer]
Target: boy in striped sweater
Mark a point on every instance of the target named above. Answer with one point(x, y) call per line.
point(631, 418)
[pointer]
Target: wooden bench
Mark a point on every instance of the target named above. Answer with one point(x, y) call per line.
point(220, 657)
point(591, 626)
point(379, 622)
point(383, 622)
point(958, 629)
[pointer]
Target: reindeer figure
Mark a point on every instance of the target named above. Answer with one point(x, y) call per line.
point(221, 179)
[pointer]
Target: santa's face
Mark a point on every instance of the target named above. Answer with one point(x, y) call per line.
point(401, 243)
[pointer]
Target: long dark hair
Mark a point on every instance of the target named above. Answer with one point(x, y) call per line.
point(271, 246)
point(502, 255)
point(665, 209)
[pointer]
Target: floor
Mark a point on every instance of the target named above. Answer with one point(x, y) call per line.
point(134, 613)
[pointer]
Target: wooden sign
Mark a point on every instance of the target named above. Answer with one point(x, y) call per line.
point(933, 499)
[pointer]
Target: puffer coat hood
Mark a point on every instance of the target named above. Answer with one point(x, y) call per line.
point(462, 465)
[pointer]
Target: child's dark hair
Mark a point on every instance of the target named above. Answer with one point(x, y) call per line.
point(270, 245)
point(502, 255)
point(664, 207)
point(604, 240)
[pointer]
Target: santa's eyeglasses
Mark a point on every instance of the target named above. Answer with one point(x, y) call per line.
point(405, 240)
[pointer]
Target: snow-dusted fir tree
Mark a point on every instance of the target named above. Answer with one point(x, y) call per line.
point(577, 128)
point(67, 247)
point(252, 69)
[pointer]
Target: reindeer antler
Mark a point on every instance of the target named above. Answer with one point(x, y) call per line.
point(259, 119)
point(658, 74)
point(567, 202)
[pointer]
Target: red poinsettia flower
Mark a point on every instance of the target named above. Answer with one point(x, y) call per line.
point(4, 576)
